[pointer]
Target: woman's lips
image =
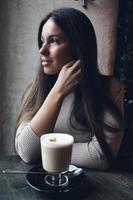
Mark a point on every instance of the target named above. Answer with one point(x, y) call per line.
point(46, 62)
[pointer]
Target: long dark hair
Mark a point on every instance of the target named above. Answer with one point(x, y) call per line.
point(90, 97)
point(81, 35)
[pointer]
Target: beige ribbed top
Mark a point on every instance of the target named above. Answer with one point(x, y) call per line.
point(86, 149)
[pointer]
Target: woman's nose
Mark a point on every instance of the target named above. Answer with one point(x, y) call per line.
point(44, 49)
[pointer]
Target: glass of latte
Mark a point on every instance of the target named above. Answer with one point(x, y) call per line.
point(56, 150)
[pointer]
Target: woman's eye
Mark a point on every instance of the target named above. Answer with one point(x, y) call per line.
point(50, 41)
point(54, 41)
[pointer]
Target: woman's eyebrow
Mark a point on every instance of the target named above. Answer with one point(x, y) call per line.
point(54, 35)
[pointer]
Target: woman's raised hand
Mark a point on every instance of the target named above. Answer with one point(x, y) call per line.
point(69, 77)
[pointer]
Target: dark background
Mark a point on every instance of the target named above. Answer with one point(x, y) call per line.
point(124, 71)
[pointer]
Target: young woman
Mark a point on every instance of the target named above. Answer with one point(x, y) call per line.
point(69, 95)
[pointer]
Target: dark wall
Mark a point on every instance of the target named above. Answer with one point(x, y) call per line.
point(124, 70)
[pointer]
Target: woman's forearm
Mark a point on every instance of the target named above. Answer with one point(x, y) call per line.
point(45, 119)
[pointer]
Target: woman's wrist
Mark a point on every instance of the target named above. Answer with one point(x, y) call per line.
point(56, 95)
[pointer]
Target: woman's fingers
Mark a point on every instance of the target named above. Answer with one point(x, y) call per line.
point(69, 64)
point(77, 75)
point(72, 64)
point(69, 77)
point(76, 65)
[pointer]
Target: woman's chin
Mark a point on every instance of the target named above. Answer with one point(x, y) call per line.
point(49, 72)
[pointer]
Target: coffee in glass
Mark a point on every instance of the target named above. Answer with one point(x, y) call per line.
point(56, 149)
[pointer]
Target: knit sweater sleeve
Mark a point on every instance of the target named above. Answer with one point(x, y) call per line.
point(27, 145)
point(89, 155)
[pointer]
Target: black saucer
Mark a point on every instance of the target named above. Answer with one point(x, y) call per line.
point(36, 181)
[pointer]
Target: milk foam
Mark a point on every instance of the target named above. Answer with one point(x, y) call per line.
point(57, 140)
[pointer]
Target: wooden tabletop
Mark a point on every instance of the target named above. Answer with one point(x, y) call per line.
point(100, 185)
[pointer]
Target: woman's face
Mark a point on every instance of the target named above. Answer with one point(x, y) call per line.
point(56, 48)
